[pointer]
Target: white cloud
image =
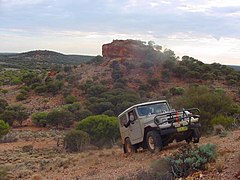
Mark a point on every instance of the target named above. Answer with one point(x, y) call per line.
point(144, 5)
point(9, 3)
point(199, 28)
point(206, 5)
point(234, 14)
point(205, 47)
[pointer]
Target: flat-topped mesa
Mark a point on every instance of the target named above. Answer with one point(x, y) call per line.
point(124, 49)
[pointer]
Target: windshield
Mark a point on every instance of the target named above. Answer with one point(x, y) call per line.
point(156, 108)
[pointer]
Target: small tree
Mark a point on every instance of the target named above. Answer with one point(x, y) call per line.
point(176, 91)
point(21, 97)
point(99, 108)
point(8, 116)
point(210, 103)
point(14, 113)
point(74, 107)
point(3, 105)
point(4, 91)
point(70, 99)
point(76, 140)
point(102, 129)
point(60, 117)
point(4, 128)
point(54, 86)
point(40, 119)
point(82, 114)
point(225, 121)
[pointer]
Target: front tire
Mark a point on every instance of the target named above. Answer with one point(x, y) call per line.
point(128, 147)
point(154, 141)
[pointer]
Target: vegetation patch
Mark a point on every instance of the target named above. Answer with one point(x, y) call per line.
point(192, 158)
point(102, 129)
point(4, 128)
point(76, 141)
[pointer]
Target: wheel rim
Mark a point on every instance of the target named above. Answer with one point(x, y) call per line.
point(151, 143)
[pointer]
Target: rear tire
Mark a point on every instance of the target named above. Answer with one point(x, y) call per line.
point(196, 135)
point(154, 141)
point(128, 147)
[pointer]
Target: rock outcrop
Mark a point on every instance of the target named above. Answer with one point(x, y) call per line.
point(124, 49)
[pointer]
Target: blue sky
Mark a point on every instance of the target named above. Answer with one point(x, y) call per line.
point(208, 30)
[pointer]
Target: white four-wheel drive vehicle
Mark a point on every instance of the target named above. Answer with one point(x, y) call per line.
point(154, 125)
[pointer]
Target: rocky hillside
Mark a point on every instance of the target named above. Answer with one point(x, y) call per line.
point(145, 68)
point(49, 96)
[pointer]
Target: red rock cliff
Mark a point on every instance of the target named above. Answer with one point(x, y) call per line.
point(123, 49)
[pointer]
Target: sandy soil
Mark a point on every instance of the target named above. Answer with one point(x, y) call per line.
point(47, 161)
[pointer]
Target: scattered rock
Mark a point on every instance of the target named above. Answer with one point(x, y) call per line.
point(27, 148)
point(36, 177)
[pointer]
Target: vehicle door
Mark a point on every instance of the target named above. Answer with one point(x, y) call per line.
point(135, 129)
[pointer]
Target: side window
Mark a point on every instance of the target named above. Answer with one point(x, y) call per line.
point(123, 120)
point(132, 115)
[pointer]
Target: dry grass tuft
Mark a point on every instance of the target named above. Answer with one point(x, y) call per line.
point(220, 166)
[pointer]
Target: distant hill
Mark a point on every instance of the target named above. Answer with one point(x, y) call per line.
point(235, 67)
point(40, 59)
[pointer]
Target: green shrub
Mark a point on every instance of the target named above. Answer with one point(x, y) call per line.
point(74, 107)
point(26, 88)
point(100, 100)
point(8, 116)
point(176, 91)
point(4, 91)
point(70, 99)
point(192, 158)
point(82, 114)
point(60, 117)
point(95, 89)
point(76, 140)
point(99, 108)
point(40, 119)
point(14, 113)
point(4, 128)
point(21, 96)
point(102, 129)
point(225, 121)
point(116, 71)
point(109, 113)
point(23, 91)
point(3, 105)
point(40, 89)
point(54, 86)
point(31, 78)
point(210, 103)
